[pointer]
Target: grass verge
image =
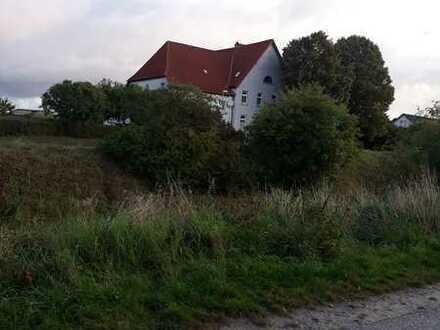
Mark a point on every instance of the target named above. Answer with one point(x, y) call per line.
point(179, 261)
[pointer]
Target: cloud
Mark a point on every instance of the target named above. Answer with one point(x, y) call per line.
point(46, 41)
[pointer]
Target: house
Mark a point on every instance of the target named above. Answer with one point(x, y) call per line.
point(406, 120)
point(240, 78)
point(28, 112)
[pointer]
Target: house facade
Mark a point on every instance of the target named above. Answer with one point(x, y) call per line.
point(240, 79)
point(406, 120)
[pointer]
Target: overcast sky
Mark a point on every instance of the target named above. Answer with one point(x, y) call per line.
point(43, 42)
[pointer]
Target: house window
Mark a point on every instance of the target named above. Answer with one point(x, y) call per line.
point(274, 97)
point(244, 97)
point(268, 80)
point(147, 86)
point(242, 121)
point(162, 85)
point(259, 99)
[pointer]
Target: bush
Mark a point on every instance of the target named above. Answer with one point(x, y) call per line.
point(178, 137)
point(301, 137)
point(422, 142)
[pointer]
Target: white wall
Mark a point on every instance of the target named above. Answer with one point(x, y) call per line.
point(152, 83)
point(269, 64)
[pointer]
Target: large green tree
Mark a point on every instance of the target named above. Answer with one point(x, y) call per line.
point(313, 59)
point(301, 137)
point(371, 90)
point(75, 102)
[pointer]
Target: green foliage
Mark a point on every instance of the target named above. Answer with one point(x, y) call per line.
point(313, 59)
point(432, 111)
point(75, 102)
point(6, 106)
point(421, 142)
point(123, 101)
point(301, 137)
point(371, 90)
point(177, 136)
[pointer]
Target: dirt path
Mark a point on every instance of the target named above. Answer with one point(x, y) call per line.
point(406, 309)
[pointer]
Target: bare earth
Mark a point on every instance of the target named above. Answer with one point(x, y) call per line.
point(402, 310)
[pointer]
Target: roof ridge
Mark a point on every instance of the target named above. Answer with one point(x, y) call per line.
point(220, 49)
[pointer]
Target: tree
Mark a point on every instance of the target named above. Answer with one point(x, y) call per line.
point(75, 102)
point(314, 59)
point(301, 137)
point(6, 106)
point(177, 136)
point(371, 91)
point(432, 111)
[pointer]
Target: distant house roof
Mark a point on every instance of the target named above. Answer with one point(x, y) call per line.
point(213, 71)
point(412, 118)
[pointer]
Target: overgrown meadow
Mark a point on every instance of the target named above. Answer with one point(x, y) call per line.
point(175, 259)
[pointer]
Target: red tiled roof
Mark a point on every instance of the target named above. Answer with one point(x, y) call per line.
point(213, 71)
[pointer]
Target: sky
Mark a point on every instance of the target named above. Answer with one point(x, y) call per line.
point(46, 41)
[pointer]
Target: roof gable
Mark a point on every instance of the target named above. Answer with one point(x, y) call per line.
point(213, 71)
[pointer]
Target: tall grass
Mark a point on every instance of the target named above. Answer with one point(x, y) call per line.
point(169, 258)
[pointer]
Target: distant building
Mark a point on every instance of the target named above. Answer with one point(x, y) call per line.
point(27, 112)
point(406, 120)
point(240, 78)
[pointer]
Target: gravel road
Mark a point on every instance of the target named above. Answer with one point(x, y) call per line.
point(403, 310)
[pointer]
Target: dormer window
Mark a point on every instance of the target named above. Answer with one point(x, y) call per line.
point(268, 80)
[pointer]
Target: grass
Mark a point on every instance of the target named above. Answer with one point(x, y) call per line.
point(49, 177)
point(174, 260)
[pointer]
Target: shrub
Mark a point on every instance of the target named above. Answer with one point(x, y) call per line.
point(301, 137)
point(178, 136)
point(422, 142)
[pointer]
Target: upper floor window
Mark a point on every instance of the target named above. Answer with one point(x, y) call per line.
point(259, 99)
point(244, 97)
point(274, 97)
point(268, 80)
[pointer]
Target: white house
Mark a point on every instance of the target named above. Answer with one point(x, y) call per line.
point(406, 120)
point(241, 78)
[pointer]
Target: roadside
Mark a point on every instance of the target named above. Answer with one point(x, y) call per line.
point(405, 309)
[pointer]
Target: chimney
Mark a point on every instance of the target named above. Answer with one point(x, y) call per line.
point(237, 44)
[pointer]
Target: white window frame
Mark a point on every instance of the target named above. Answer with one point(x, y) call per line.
point(242, 120)
point(259, 99)
point(244, 97)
